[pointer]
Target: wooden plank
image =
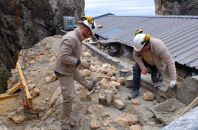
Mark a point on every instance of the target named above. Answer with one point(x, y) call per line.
point(14, 88)
point(25, 87)
point(6, 95)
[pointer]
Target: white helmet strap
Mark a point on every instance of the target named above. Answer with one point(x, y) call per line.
point(93, 26)
point(143, 43)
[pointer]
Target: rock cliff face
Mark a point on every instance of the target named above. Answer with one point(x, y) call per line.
point(38, 19)
point(176, 7)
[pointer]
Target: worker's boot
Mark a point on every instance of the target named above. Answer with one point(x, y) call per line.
point(133, 94)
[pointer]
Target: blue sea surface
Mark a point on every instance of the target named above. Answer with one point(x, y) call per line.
point(120, 7)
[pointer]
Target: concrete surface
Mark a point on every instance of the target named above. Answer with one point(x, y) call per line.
point(165, 112)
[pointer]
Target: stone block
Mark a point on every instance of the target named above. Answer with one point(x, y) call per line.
point(95, 124)
point(35, 92)
point(131, 119)
point(122, 121)
point(102, 99)
point(148, 96)
point(135, 102)
point(111, 128)
point(109, 95)
point(121, 80)
point(119, 104)
point(115, 84)
point(135, 127)
point(18, 119)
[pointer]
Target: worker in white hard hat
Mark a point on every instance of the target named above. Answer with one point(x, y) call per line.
point(89, 22)
point(66, 67)
point(151, 56)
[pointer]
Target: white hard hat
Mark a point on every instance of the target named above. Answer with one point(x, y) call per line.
point(139, 42)
point(91, 26)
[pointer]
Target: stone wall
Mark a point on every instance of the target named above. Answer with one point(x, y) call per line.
point(38, 19)
point(176, 7)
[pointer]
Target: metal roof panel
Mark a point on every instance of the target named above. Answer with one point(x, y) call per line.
point(180, 33)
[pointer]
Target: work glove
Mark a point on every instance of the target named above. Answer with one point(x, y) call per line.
point(85, 64)
point(173, 83)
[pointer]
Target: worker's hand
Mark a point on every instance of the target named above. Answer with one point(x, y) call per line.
point(173, 83)
point(144, 70)
point(85, 64)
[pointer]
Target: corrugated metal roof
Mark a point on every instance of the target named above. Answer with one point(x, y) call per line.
point(180, 33)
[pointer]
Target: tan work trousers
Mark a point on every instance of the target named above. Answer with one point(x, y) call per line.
point(67, 91)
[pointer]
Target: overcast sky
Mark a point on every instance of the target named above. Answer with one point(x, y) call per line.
point(120, 7)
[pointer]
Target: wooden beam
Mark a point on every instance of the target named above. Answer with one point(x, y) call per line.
point(25, 87)
point(14, 88)
point(6, 95)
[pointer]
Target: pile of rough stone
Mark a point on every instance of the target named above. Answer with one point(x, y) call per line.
point(106, 96)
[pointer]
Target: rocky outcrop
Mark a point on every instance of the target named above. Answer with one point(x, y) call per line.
point(176, 7)
point(37, 19)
